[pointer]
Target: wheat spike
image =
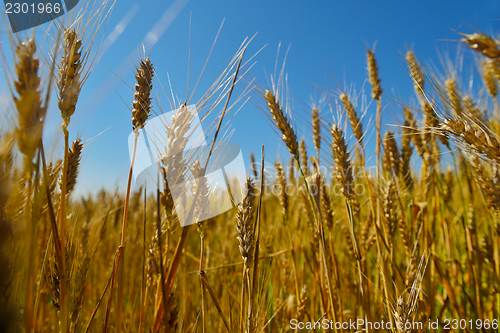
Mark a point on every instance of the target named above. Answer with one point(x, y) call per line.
point(74, 155)
point(78, 288)
point(489, 77)
point(326, 205)
point(69, 82)
point(177, 139)
point(416, 73)
point(281, 182)
point(303, 158)
point(316, 125)
point(343, 168)
point(473, 110)
point(301, 306)
point(390, 207)
point(490, 188)
point(476, 139)
point(279, 117)
point(28, 102)
point(356, 125)
point(451, 91)
point(200, 191)
point(142, 96)
point(392, 153)
point(373, 77)
point(244, 218)
point(406, 152)
point(482, 43)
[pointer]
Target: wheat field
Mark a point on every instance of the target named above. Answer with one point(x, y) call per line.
point(405, 238)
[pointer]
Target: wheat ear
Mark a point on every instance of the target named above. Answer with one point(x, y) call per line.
point(304, 161)
point(416, 73)
point(281, 182)
point(356, 125)
point(483, 44)
point(69, 83)
point(373, 77)
point(142, 95)
point(74, 155)
point(316, 126)
point(281, 121)
point(391, 153)
point(343, 168)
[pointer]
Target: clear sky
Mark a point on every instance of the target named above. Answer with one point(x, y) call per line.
point(327, 40)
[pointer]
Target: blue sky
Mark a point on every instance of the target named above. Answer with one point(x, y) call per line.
point(327, 40)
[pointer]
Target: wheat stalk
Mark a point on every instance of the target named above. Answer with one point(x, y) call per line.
point(392, 153)
point(143, 103)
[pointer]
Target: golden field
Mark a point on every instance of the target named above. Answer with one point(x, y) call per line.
point(408, 233)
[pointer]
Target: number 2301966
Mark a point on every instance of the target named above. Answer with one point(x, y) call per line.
point(25, 8)
point(471, 324)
